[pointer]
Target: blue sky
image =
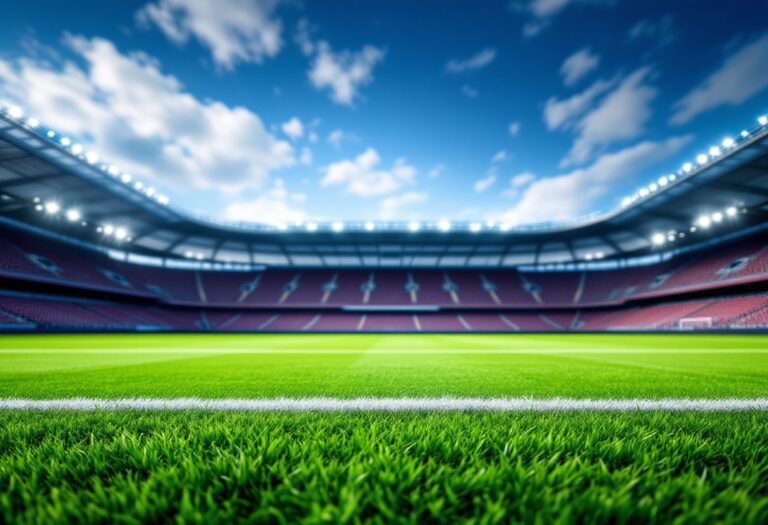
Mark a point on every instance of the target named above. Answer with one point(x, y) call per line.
point(522, 111)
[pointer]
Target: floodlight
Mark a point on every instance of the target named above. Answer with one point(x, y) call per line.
point(51, 134)
point(731, 211)
point(475, 227)
point(121, 233)
point(73, 214)
point(91, 157)
point(744, 134)
point(658, 239)
point(36, 199)
point(15, 112)
point(126, 178)
point(714, 151)
point(65, 141)
point(626, 201)
point(763, 120)
point(672, 177)
point(52, 207)
point(717, 217)
point(653, 187)
point(663, 181)
point(490, 224)
point(701, 158)
point(311, 226)
point(643, 192)
point(505, 226)
point(337, 226)
point(33, 122)
point(704, 221)
point(138, 186)
point(444, 225)
point(150, 191)
point(728, 142)
point(108, 229)
point(369, 226)
point(77, 149)
point(113, 170)
point(414, 226)
point(39, 207)
point(599, 255)
point(687, 167)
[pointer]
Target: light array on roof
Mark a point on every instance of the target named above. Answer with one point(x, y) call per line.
point(702, 223)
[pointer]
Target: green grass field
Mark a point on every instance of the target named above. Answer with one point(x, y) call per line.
point(136, 466)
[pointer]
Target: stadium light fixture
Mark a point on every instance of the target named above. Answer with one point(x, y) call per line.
point(490, 224)
point(126, 178)
point(505, 226)
point(51, 134)
point(108, 229)
point(16, 112)
point(717, 217)
point(65, 141)
point(658, 239)
point(475, 227)
point(763, 120)
point(138, 186)
point(33, 122)
point(663, 181)
point(91, 157)
point(121, 233)
point(653, 187)
point(687, 167)
point(672, 177)
point(52, 207)
point(414, 226)
point(337, 226)
point(704, 222)
point(744, 134)
point(643, 192)
point(702, 159)
point(369, 226)
point(599, 255)
point(731, 211)
point(39, 207)
point(77, 149)
point(150, 191)
point(73, 215)
point(626, 201)
point(444, 225)
point(714, 151)
point(311, 226)
point(728, 142)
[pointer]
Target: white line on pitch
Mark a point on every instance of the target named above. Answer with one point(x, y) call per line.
point(327, 404)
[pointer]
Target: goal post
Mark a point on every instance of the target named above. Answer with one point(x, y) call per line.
point(695, 323)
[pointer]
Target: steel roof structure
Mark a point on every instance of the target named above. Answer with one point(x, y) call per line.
point(722, 192)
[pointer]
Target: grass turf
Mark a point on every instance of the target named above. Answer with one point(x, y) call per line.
point(139, 467)
point(599, 366)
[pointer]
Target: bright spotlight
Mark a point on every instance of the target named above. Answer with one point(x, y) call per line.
point(77, 149)
point(337, 226)
point(73, 215)
point(113, 170)
point(369, 226)
point(731, 211)
point(744, 134)
point(91, 157)
point(704, 222)
point(138, 186)
point(15, 112)
point(444, 225)
point(33, 122)
point(728, 142)
point(717, 217)
point(663, 181)
point(150, 191)
point(763, 120)
point(599, 255)
point(121, 233)
point(126, 178)
point(672, 177)
point(414, 226)
point(65, 141)
point(52, 207)
point(505, 226)
point(653, 187)
point(311, 226)
point(714, 151)
point(108, 229)
point(626, 201)
point(475, 227)
point(687, 167)
point(658, 239)
point(643, 192)
point(51, 134)
point(702, 159)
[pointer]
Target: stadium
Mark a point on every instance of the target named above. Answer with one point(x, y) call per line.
point(165, 362)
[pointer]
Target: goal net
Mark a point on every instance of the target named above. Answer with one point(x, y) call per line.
point(695, 323)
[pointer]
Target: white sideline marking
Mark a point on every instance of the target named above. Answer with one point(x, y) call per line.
point(441, 404)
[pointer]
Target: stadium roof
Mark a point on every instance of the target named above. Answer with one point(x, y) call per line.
point(48, 182)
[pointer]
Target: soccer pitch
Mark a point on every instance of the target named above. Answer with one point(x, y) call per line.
point(426, 465)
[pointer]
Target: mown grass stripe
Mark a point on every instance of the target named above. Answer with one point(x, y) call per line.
point(390, 404)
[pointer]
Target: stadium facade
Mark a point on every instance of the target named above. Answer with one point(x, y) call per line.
point(87, 247)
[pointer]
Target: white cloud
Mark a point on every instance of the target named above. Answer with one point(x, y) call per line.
point(486, 182)
point(233, 30)
point(391, 207)
point(476, 61)
point(661, 32)
point(273, 206)
point(568, 195)
point(500, 156)
point(335, 138)
point(621, 115)
point(312, 137)
point(521, 179)
point(542, 11)
point(469, 92)
point(306, 156)
point(345, 72)
point(561, 114)
point(578, 65)
point(362, 176)
point(742, 75)
point(293, 128)
point(436, 171)
point(514, 128)
point(127, 110)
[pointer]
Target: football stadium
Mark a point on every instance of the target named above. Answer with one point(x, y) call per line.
point(159, 364)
